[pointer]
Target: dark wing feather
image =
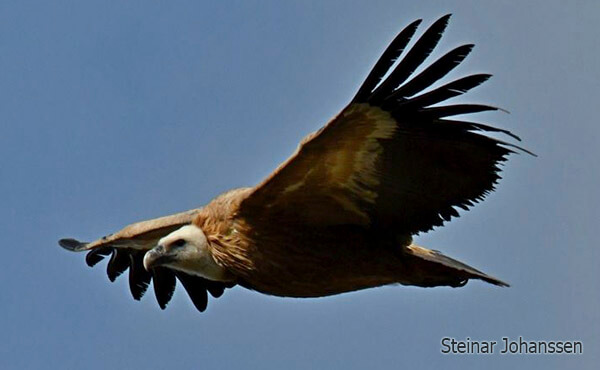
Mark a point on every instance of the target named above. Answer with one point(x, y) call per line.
point(139, 278)
point(215, 289)
point(431, 74)
point(453, 110)
point(163, 280)
point(118, 263)
point(474, 126)
point(387, 59)
point(442, 93)
point(417, 54)
point(196, 288)
point(127, 248)
point(390, 160)
point(96, 255)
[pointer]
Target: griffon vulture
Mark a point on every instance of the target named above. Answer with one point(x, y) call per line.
point(340, 213)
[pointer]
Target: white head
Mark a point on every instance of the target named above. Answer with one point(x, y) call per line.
point(186, 250)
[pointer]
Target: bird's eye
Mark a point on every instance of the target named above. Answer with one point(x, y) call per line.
point(178, 243)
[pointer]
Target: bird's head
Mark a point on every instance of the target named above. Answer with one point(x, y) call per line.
point(186, 250)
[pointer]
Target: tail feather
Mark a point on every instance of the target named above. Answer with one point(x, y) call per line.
point(438, 269)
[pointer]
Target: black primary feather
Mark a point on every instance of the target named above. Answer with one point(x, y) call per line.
point(163, 280)
point(139, 278)
point(118, 263)
point(96, 255)
point(431, 74)
point(196, 289)
point(445, 92)
point(453, 110)
point(474, 126)
point(215, 289)
point(387, 59)
point(415, 56)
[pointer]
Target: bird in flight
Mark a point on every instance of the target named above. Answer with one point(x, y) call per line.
point(340, 213)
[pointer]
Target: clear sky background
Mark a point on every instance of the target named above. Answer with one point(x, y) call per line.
point(117, 111)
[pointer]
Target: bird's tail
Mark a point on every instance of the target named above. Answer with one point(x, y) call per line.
point(432, 268)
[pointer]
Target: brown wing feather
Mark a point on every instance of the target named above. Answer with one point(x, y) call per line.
point(389, 160)
point(141, 235)
point(126, 249)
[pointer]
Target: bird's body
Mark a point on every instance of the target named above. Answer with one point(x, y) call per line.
point(294, 261)
point(340, 213)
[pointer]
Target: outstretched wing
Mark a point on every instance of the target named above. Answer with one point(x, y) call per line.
point(126, 249)
point(392, 159)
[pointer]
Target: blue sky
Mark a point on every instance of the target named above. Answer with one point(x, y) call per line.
point(113, 112)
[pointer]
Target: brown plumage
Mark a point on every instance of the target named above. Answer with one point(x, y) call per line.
point(340, 213)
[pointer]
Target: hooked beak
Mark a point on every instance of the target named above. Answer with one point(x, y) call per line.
point(157, 256)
